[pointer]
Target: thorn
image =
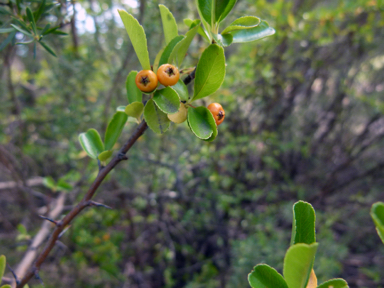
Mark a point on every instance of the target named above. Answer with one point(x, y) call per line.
point(62, 232)
point(93, 203)
point(122, 156)
point(14, 274)
point(37, 276)
point(49, 219)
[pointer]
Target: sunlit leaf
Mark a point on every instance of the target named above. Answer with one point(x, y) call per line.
point(114, 129)
point(334, 283)
point(133, 92)
point(167, 100)
point(264, 276)
point(303, 225)
point(169, 24)
point(91, 143)
point(202, 123)
point(165, 56)
point(181, 48)
point(377, 214)
point(251, 34)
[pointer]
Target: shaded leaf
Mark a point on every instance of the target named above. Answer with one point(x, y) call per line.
point(167, 100)
point(264, 276)
point(114, 129)
point(31, 20)
point(46, 47)
point(134, 109)
point(192, 23)
point(91, 143)
point(181, 48)
point(25, 32)
point(210, 72)
point(137, 36)
point(298, 263)
point(63, 186)
point(6, 30)
point(182, 90)
point(156, 119)
point(49, 183)
point(40, 11)
point(303, 225)
point(7, 40)
point(377, 214)
point(165, 56)
point(169, 24)
point(133, 92)
point(334, 283)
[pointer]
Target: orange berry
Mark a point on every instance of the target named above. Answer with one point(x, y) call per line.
point(168, 74)
point(217, 112)
point(146, 80)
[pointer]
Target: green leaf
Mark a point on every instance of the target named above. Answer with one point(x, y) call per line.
point(223, 40)
point(4, 11)
point(91, 143)
point(164, 59)
point(182, 90)
point(157, 60)
point(192, 23)
point(214, 11)
point(169, 24)
point(46, 27)
point(241, 23)
point(104, 156)
point(46, 47)
point(138, 39)
point(133, 93)
point(22, 230)
point(377, 214)
point(2, 266)
point(251, 34)
point(7, 40)
point(200, 122)
point(22, 30)
point(49, 183)
point(7, 286)
point(298, 263)
point(6, 30)
point(40, 11)
point(63, 186)
point(156, 119)
point(210, 72)
point(54, 31)
point(114, 129)
point(31, 20)
point(303, 225)
point(264, 276)
point(135, 110)
point(181, 48)
point(167, 100)
point(334, 283)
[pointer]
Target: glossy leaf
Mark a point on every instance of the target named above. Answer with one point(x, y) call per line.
point(169, 24)
point(133, 92)
point(165, 56)
point(377, 214)
point(241, 23)
point(264, 276)
point(138, 39)
point(210, 72)
point(252, 34)
point(223, 40)
point(91, 143)
point(200, 122)
point(156, 119)
point(214, 11)
point(181, 48)
point(105, 155)
point(49, 183)
point(167, 100)
point(192, 23)
point(334, 283)
point(303, 225)
point(182, 90)
point(46, 47)
point(2, 266)
point(298, 263)
point(134, 110)
point(114, 129)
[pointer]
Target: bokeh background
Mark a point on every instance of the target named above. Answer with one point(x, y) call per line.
point(304, 120)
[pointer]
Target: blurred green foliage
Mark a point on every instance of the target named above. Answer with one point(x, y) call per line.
point(304, 118)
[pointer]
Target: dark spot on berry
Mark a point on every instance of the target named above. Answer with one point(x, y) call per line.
point(221, 114)
point(144, 80)
point(170, 71)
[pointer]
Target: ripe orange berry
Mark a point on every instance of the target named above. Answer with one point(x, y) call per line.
point(146, 80)
point(168, 74)
point(217, 112)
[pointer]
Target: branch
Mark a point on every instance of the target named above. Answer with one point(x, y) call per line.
point(87, 199)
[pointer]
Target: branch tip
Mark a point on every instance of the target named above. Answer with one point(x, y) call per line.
point(14, 274)
point(48, 219)
point(93, 203)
